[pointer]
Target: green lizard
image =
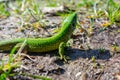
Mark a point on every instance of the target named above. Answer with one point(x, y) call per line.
point(57, 41)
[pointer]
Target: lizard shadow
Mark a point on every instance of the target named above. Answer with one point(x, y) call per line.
point(75, 54)
point(97, 53)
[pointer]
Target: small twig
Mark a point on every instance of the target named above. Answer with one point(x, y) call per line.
point(98, 78)
point(32, 14)
point(2, 35)
point(21, 48)
point(28, 57)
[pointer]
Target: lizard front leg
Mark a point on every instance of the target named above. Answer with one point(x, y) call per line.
point(62, 51)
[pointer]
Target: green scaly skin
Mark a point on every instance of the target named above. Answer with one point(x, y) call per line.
point(45, 44)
